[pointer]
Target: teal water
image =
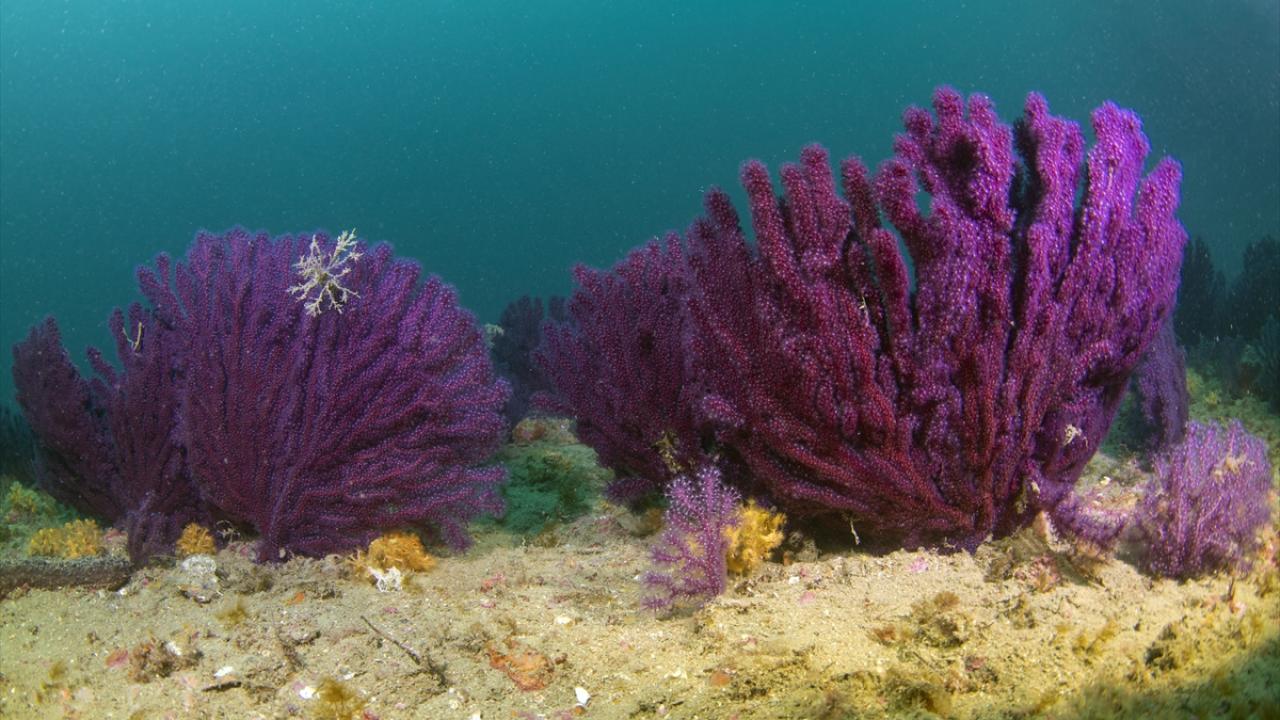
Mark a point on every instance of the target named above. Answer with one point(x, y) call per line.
point(501, 142)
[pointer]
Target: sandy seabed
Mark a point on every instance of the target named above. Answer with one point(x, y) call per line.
point(553, 628)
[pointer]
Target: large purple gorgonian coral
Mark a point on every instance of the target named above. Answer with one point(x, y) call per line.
point(326, 424)
point(109, 446)
point(619, 368)
point(946, 410)
point(1203, 510)
point(143, 404)
point(315, 390)
point(75, 457)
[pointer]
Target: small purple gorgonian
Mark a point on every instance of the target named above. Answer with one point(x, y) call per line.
point(322, 272)
point(691, 553)
point(1203, 510)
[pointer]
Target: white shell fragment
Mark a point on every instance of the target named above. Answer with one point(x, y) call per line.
point(389, 581)
point(198, 578)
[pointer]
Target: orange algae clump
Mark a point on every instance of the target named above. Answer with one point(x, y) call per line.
point(757, 532)
point(76, 539)
point(195, 540)
point(400, 550)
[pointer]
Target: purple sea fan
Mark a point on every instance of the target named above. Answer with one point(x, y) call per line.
point(1161, 384)
point(109, 447)
point(75, 461)
point(326, 424)
point(691, 551)
point(513, 349)
point(955, 408)
point(142, 400)
point(619, 368)
point(1206, 503)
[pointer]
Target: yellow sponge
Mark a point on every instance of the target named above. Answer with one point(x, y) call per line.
point(756, 534)
point(76, 539)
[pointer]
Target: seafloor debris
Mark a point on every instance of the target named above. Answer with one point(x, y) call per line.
point(527, 668)
point(153, 659)
point(198, 579)
point(108, 572)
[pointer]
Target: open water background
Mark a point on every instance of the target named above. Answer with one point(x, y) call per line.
point(500, 142)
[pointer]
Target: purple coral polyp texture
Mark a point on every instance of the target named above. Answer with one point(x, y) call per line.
point(954, 408)
point(1206, 503)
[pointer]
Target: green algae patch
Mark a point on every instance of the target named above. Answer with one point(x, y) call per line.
point(548, 484)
